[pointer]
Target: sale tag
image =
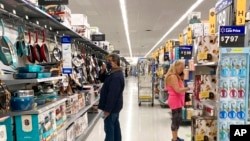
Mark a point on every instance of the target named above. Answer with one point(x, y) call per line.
point(202, 56)
point(240, 12)
point(204, 94)
point(199, 137)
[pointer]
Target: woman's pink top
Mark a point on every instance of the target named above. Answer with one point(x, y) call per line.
point(175, 100)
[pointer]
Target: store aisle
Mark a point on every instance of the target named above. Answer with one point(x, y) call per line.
point(144, 123)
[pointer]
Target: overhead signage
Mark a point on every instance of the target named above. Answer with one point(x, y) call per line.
point(212, 21)
point(232, 36)
point(240, 12)
point(222, 4)
point(98, 37)
point(66, 54)
point(185, 52)
point(53, 2)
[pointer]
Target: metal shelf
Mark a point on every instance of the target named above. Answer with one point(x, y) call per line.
point(9, 80)
point(90, 127)
point(24, 8)
point(38, 110)
point(210, 64)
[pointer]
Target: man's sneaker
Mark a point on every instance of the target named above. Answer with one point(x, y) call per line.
point(179, 139)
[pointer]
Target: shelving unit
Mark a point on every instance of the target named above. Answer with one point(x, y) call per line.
point(25, 9)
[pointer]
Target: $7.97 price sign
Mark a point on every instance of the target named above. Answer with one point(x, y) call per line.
point(232, 40)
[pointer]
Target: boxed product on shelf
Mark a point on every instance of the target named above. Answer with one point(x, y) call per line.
point(72, 105)
point(204, 128)
point(61, 136)
point(205, 87)
point(207, 49)
point(6, 129)
point(37, 126)
point(89, 94)
point(70, 133)
point(79, 126)
point(81, 100)
point(85, 118)
point(190, 112)
point(61, 116)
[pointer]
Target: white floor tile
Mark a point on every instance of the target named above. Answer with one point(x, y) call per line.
point(144, 123)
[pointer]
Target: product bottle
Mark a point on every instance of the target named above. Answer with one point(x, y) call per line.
point(186, 73)
point(191, 64)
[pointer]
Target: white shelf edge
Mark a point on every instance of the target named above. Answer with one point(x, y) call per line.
point(12, 81)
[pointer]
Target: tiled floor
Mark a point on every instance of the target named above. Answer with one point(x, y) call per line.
point(145, 123)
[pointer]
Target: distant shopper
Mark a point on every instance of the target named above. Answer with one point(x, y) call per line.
point(176, 90)
point(126, 72)
point(111, 97)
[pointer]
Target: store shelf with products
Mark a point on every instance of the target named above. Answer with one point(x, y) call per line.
point(25, 9)
point(9, 80)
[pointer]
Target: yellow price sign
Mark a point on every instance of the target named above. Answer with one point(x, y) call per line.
point(189, 36)
point(212, 21)
point(202, 56)
point(237, 50)
point(204, 94)
point(181, 39)
point(199, 137)
point(240, 12)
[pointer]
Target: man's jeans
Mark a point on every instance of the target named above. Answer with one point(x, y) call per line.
point(112, 127)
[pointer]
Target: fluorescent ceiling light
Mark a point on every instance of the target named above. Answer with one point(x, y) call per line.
point(196, 4)
point(125, 22)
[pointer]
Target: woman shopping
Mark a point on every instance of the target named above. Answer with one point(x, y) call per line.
point(176, 90)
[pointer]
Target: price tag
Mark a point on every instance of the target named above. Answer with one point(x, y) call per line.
point(202, 56)
point(204, 94)
point(185, 52)
point(232, 36)
point(199, 137)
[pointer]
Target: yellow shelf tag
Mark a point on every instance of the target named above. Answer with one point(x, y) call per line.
point(202, 56)
point(241, 12)
point(204, 94)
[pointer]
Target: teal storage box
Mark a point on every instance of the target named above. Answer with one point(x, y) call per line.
point(6, 129)
point(36, 127)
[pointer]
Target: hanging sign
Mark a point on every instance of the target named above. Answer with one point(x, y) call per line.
point(232, 36)
point(185, 52)
point(181, 39)
point(212, 21)
point(189, 36)
point(66, 53)
point(240, 12)
point(222, 4)
point(53, 2)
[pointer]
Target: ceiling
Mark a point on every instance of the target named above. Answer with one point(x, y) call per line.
point(155, 15)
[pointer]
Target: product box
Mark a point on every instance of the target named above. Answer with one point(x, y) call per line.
point(61, 136)
point(36, 127)
point(205, 87)
point(61, 116)
point(72, 105)
point(70, 133)
point(79, 126)
point(6, 130)
point(204, 128)
point(81, 100)
point(207, 49)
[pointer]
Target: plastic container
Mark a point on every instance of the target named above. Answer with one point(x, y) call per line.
point(30, 68)
point(25, 76)
point(44, 75)
point(186, 73)
point(191, 64)
point(22, 103)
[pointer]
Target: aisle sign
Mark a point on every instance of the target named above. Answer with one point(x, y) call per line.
point(222, 4)
point(185, 52)
point(212, 21)
point(232, 36)
point(66, 54)
point(240, 12)
point(189, 36)
point(181, 39)
point(53, 2)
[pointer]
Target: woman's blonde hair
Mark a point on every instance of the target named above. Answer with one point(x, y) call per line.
point(172, 70)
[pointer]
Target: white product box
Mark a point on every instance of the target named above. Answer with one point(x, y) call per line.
point(79, 20)
point(70, 133)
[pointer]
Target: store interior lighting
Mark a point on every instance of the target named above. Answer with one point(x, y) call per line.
point(182, 18)
point(125, 23)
